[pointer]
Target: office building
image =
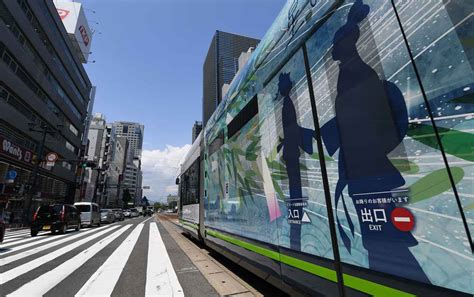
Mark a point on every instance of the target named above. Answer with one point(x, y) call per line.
point(197, 128)
point(220, 66)
point(44, 91)
point(117, 162)
point(134, 133)
point(97, 136)
point(132, 181)
point(242, 60)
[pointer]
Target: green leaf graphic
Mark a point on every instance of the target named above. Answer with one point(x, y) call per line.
point(434, 184)
point(405, 166)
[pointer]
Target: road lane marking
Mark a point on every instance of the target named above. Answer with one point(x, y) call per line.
point(64, 238)
point(103, 281)
point(17, 234)
point(161, 279)
point(15, 238)
point(49, 280)
point(22, 269)
point(17, 231)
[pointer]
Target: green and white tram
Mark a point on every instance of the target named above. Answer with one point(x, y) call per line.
point(341, 160)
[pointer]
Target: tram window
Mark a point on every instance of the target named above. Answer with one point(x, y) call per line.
point(244, 116)
point(216, 143)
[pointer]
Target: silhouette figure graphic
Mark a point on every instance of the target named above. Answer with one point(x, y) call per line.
point(371, 120)
point(294, 138)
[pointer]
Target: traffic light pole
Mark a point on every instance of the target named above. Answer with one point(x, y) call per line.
point(29, 197)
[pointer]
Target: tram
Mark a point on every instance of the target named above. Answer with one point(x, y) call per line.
point(340, 162)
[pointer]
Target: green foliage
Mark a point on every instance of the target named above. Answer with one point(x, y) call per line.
point(405, 166)
point(434, 184)
point(455, 142)
point(467, 99)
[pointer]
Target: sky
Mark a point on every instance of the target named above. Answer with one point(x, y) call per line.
point(146, 61)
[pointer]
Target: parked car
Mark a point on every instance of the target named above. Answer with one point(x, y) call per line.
point(107, 215)
point(56, 217)
point(127, 213)
point(89, 213)
point(118, 214)
point(2, 225)
point(134, 212)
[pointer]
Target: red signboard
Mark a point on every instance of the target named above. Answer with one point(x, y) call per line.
point(403, 219)
point(12, 150)
point(63, 13)
point(85, 36)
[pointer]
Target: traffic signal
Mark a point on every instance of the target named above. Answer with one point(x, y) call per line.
point(88, 164)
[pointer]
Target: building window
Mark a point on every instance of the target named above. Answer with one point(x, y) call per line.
point(70, 147)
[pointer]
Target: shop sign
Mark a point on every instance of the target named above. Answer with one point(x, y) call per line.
point(15, 151)
point(11, 175)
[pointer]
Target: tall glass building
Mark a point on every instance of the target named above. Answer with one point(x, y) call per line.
point(220, 67)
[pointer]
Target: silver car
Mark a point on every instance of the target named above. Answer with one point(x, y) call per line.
point(89, 213)
point(107, 215)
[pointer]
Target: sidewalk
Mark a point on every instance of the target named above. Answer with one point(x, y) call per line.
point(222, 280)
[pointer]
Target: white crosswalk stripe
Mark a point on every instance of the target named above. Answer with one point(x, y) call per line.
point(103, 281)
point(7, 260)
point(48, 280)
point(16, 232)
point(35, 241)
point(22, 269)
point(161, 279)
point(159, 275)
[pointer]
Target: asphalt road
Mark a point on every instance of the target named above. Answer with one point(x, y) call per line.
point(136, 257)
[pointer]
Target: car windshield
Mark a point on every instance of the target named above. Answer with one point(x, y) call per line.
point(105, 210)
point(51, 209)
point(83, 208)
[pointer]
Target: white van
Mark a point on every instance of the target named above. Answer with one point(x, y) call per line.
point(90, 214)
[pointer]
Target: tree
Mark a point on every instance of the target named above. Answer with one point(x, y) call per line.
point(159, 205)
point(126, 198)
point(145, 201)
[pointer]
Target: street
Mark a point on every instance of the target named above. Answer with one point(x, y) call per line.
point(126, 258)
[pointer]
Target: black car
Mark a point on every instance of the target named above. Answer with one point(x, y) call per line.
point(56, 217)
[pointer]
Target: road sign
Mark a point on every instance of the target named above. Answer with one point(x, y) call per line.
point(51, 159)
point(11, 175)
point(403, 219)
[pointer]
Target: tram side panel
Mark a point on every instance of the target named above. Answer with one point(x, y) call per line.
point(330, 178)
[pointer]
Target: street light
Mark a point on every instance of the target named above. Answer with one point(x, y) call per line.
point(44, 129)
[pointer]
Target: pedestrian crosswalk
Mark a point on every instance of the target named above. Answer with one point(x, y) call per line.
point(36, 266)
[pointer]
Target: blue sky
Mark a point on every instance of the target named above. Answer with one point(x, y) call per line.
point(149, 57)
point(148, 68)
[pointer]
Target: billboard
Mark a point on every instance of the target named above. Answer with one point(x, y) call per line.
point(75, 22)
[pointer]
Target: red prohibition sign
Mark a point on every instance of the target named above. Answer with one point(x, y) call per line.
point(403, 219)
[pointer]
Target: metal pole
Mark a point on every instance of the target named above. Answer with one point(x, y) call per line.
point(29, 197)
point(94, 199)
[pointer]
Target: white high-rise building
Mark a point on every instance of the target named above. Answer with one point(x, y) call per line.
point(133, 175)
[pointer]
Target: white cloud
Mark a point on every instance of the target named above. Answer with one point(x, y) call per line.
point(160, 169)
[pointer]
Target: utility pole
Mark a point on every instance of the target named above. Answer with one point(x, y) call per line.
point(44, 129)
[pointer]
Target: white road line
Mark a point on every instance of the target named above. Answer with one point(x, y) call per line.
point(103, 281)
point(17, 235)
point(22, 269)
point(23, 240)
point(161, 279)
point(14, 234)
point(39, 240)
point(6, 260)
point(16, 231)
point(47, 281)
point(15, 238)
